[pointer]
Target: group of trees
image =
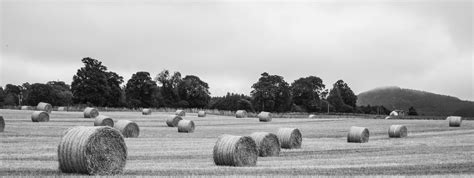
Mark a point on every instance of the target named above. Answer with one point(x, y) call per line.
point(94, 85)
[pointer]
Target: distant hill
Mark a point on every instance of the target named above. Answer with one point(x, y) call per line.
point(424, 102)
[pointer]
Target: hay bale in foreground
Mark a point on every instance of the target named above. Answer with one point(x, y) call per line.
point(42, 106)
point(289, 138)
point(127, 128)
point(231, 150)
point(358, 135)
point(90, 112)
point(62, 108)
point(146, 111)
point(264, 117)
point(454, 121)
point(102, 120)
point(92, 150)
point(40, 116)
point(397, 131)
point(202, 114)
point(241, 114)
point(173, 120)
point(186, 126)
point(267, 144)
point(2, 124)
point(180, 112)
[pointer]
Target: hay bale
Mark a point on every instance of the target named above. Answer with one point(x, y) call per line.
point(180, 112)
point(146, 111)
point(40, 116)
point(186, 126)
point(267, 144)
point(127, 128)
point(264, 117)
point(397, 131)
point(102, 120)
point(173, 120)
point(2, 124)
point(25, 108)
point(289, 138)
point(42, 106)
point(202, 114)
point(231, 150)
point(90, 112)
point(92, 150)
point(358, 135)
point(62, 108)
point(454, 121)
point(241, 114)
point(312, 116)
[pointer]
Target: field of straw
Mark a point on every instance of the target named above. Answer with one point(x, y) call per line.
point(431, 147)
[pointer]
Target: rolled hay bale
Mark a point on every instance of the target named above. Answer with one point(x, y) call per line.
point(146, 111)
point(264, 117)
point(102, 120)
point(61, 108)
point(2, 124)
point(312, 116)
point(180, 112)
point(40, 116)
point(90, 112)
point(127, 128)
point(25, 108)
point(202, 114)
point(92, 150)
point(186, 126)
point(358, 135)
point(173, 120)
point(42, 106)
point(241, 114)
point(231, 150)
point(267, 144)
point(289, 138)
point(454, 121)
point(397, 131)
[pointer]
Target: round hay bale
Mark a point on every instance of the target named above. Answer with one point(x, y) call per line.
point(128, 128)
point(264, 117)
point(40, 116)
point(25, 108)
point(454, 121)
point(90, 112)
point(2, 124)
point(267, 144)
point(241, 114)
point(312, 116)
point(180, 112)
point(397, 131)
point(102, 120)
point(358, 135)
point(146, 111)
point(61, 108)
point(202, 114)
point(44, 107)
point(186, 126)
point(173, 120)
point(394, 113)
point(289, 138)
point(231, 150)
point(92, 150)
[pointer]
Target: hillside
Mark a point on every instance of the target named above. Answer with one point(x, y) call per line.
point(424, 102)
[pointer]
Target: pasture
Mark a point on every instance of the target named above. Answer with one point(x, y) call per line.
point(431, 148)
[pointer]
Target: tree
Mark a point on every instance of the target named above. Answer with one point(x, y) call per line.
point(92, 84)
point(62, 94)
point(141, 91)
point(412, 111)
point(12, 95)
point(271, 93)
point(195, 91)
point(169, 87)
point(306, 92)
point(39, 92)
point(342, 97)
point(2, 97)
point(232, 102)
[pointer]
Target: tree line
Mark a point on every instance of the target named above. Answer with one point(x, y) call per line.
point(94, 85)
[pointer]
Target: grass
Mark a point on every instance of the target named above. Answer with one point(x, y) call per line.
point(431, 148)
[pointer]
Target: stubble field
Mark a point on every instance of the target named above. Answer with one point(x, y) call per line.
point(431, 148)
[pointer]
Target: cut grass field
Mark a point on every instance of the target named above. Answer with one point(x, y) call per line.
point(431, 148)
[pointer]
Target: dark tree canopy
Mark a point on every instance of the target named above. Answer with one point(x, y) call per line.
point(232, 102)
point(39, 92)
point(271, 93)
point(169, 88)
point(412, 111)
point(195, 91)
point(306, 93)
point(142, 91)
point(342, 98)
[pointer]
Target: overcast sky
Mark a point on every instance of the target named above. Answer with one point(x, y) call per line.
point(422, 45)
